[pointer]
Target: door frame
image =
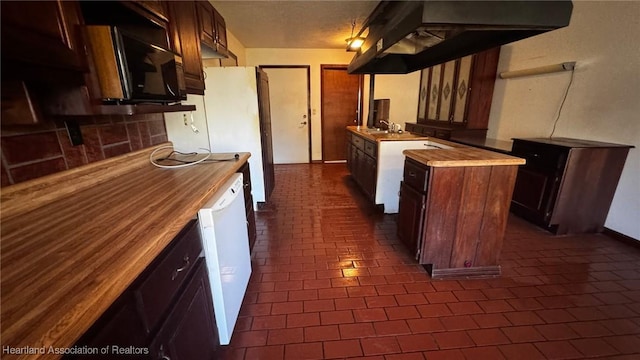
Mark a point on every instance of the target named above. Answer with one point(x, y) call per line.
point(308, 68)
point(360, 98)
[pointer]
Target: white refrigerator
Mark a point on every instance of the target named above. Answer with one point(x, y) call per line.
point(228, 118)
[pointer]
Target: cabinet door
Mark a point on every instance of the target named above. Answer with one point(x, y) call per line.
point(184, 28)
point(206, 22)
point(264, 110)
point(156, 7)
point(369, 176)
point(423, 93)
point(190, 330)
point(461, 89)
point(349, 154)
point(434, 91)
point(220, 27)
point(447, 90)
point(43, 33)
point(410, 217)
point(119, 326)
point(535, 191)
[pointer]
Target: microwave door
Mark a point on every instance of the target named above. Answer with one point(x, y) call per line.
point(122, 49)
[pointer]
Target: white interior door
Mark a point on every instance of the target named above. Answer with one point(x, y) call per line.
point(288, 93)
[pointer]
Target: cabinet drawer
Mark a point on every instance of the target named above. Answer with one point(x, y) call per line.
point(428, 131)
point(410, 127)
point(416, 175)
point(357, 141)
point(540, 155)
point(165, 277)
point(443, 134)
point(370, 148)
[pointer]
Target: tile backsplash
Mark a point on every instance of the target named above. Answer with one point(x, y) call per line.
point(34, 153)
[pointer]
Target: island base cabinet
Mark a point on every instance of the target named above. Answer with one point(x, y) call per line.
point(362, 162)
point(189, 331)
point(410, 217)
point(463, 220)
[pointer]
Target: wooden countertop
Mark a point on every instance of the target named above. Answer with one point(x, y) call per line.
point(503, 146)
point(72, 242)
point(461, 156)
point(385, 136)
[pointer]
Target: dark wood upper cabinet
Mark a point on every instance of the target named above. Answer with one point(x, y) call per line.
point(454, 98)
point(185, 34)
point(206, 19)
point(43, 33)
point(221, 29)
point(213, 31)
point(155, 7)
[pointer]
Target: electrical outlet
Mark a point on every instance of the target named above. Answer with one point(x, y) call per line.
point(73, 129)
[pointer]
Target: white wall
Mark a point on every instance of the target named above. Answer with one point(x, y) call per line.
point(602, 103)
point(403, 91)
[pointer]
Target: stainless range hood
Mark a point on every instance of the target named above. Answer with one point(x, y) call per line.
point(405, 36)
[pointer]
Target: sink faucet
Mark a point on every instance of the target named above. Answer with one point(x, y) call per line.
point(390, 125)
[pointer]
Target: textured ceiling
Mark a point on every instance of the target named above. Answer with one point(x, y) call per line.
point(293, 24)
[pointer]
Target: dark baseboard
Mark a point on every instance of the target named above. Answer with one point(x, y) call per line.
point(316, 161)
point(621, 237)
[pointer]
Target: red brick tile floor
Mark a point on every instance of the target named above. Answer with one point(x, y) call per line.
point(332, 281)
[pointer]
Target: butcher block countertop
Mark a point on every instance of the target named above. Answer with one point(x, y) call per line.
point(72, 242)
point(461, 156)
point(362, 131)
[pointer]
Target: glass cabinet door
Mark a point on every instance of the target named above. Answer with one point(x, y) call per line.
point(461, 90)
point(434, 92)
point(446, 93)
point(422, 95)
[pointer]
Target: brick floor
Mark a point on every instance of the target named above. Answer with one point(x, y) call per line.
point(331, 280)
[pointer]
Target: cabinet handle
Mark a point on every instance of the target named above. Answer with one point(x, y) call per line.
point(246, 185)
point(181, 269)
point(412, 174)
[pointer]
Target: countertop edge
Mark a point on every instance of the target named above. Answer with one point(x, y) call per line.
point(69, 321)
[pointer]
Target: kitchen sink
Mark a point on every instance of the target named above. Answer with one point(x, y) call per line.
point(376, 131)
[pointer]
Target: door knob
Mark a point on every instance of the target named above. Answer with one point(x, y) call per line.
point(303, 123)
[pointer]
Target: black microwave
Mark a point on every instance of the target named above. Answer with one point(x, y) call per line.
point(130, 70)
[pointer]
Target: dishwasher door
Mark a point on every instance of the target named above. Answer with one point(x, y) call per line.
point(225, 241)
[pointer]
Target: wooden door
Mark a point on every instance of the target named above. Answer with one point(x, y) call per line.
point(341, 101)
point(264, 110)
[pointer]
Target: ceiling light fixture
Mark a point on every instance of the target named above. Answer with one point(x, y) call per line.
point(354, 43)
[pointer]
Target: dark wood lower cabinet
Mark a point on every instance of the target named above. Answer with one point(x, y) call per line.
point(567, 185)
point(453, 219)
point(248, 205)
point(362, 162)
point(185, 328)
point(190, 329)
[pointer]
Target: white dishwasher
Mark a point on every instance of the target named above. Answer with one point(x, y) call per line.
point(226, 249)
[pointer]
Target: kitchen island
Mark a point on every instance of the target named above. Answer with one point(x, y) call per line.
point(454, 205)
point(375, 160)
point(73, 242)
